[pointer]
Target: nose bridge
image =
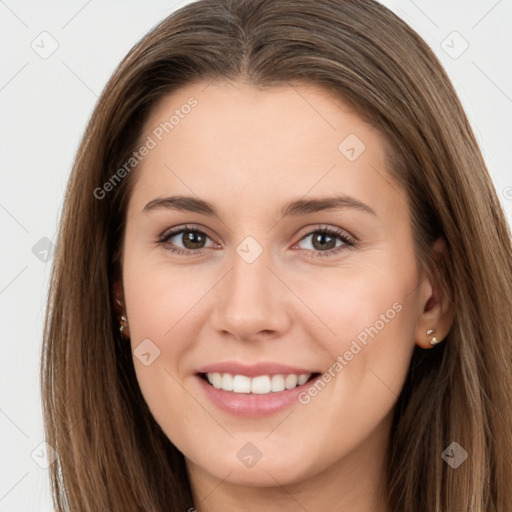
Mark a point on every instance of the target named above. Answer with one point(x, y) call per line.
point(250, 298)
point(250, 279)
point(248, 284)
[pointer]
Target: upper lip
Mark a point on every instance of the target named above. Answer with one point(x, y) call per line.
point(252, 370)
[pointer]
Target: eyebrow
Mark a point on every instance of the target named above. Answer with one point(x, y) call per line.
point(294, 208)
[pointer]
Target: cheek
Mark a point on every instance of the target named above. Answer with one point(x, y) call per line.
point(360, 303)
point(369, 336)
point(163, 305)
point(159, 297)
point(364, 319)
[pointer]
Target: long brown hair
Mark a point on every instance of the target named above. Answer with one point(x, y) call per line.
point(112, 455)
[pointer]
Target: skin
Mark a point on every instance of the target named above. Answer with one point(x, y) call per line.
point(248, 151)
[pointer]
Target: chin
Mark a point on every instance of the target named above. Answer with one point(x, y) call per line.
point(237, 468)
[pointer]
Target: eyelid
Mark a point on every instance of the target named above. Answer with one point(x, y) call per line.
point(185, 227)
point(313, 228)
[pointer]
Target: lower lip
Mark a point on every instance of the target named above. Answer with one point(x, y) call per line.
point(252, 405)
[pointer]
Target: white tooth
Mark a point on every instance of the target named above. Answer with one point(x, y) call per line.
point(241, 384)
point(290, 381)
point(277, 383)
point(260, 385)
point(303, 378)
point(227, 382)
point(217, 380)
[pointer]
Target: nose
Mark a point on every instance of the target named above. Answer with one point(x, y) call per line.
point(251, 302)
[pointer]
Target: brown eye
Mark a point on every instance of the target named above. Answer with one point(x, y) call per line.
point(184, 240)
point(323, 241)
point(193, 239)
point(326, 241)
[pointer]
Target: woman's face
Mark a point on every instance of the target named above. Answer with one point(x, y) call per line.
point(258, 296)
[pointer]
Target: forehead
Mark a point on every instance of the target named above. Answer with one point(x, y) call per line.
point(224, 138)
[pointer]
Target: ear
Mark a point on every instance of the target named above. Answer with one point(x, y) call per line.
point(436, 304)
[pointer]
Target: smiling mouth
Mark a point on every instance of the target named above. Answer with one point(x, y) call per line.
point(260, 385)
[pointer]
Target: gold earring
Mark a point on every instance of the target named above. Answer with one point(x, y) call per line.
point(124, 324)
point(434, 340)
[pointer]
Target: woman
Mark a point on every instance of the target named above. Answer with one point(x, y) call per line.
point(283, 276)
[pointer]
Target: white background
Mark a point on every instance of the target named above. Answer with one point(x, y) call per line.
point(44, 105)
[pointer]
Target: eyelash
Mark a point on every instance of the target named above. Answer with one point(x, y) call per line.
point(347, 241)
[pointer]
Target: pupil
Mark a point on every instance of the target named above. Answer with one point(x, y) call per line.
point(320, 239)
point(192, 240)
